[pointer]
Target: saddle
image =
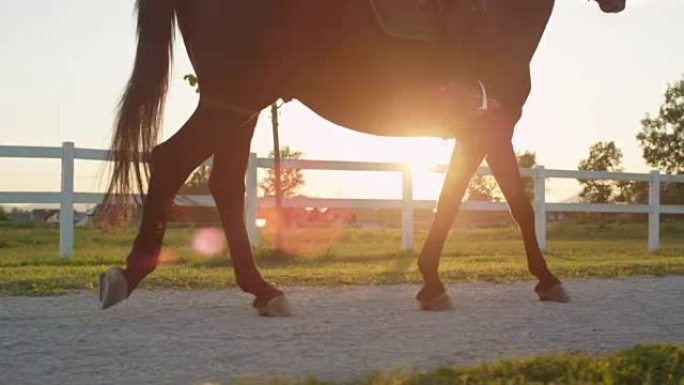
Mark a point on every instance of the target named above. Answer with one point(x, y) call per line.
point(429, 21)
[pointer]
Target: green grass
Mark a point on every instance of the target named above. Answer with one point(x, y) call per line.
point(642, 365)
point(30, 265)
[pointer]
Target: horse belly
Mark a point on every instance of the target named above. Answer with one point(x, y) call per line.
point(379, 99)
point(351, 73)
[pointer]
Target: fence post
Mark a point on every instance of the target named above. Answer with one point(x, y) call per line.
point(66, 206)
point(654, 212)
point(251, 201)
point(407, 210)
point(540, 206)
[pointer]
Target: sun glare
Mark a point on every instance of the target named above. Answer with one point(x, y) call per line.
point(420, 166)
point(422, 156)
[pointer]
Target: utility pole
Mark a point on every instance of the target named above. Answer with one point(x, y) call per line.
point(278, 181)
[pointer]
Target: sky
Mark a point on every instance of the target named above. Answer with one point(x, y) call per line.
point(64, 64)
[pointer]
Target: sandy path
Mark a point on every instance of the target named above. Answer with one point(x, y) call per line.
point(190, 337)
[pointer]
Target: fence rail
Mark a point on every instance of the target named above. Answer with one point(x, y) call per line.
point(67, 197)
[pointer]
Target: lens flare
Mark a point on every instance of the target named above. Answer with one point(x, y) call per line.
point(209, 241)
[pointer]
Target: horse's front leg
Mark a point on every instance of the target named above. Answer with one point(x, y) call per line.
point(465, 160)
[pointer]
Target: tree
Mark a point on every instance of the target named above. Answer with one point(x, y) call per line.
point(198, 183)
point(482, 188)
point(672, 194)
point(633, 193)
point(292, 179)
point(192, 81)
point(662, 137)
point(662, 141)
point(527, 159)
point(603, 156)
point(3, 215)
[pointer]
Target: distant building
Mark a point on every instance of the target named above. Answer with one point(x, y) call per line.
point(80, 219)
point(36, 216)
point(44, 216)
point(20, 216)
point(96, 214)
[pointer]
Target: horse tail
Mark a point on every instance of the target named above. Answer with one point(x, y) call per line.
point(139, 117)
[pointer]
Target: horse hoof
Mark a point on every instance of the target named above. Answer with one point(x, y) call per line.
point(555, 293)
point(276, 307)
point(112, 287)
point(441, 302)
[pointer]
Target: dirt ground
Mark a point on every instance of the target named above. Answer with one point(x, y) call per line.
point(196, 337)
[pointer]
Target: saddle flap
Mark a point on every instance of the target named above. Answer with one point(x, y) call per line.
point(431, 21)
point(410, 19)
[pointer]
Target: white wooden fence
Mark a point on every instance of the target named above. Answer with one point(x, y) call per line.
point(67, 197)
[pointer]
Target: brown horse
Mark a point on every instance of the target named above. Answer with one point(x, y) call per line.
point(335, 57)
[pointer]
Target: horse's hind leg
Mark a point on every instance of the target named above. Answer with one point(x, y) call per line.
point(466, 159)
point(227, 185)
point(170, 164)
point(503, 163)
